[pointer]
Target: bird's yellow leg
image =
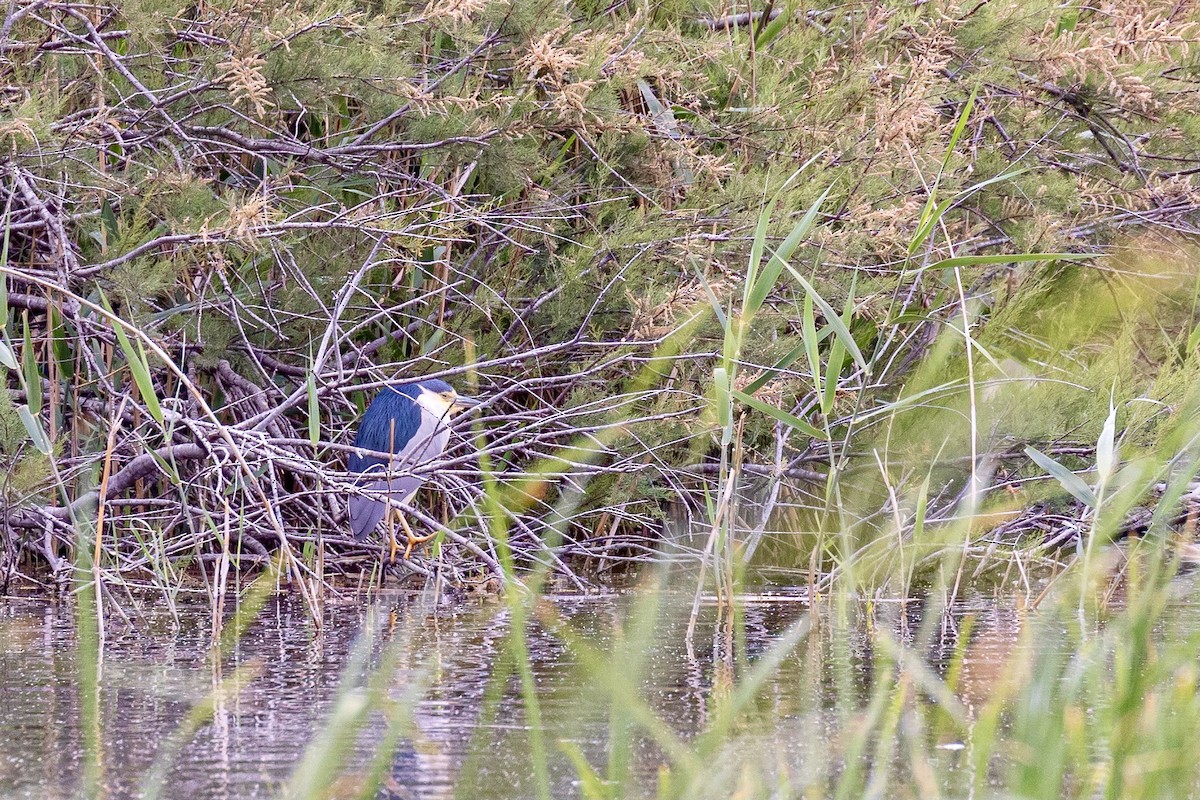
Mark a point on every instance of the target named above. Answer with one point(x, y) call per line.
point(393, 546)
point(413, 539)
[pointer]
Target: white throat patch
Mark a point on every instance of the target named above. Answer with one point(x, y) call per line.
point(434, 403)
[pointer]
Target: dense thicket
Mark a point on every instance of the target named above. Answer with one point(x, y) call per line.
point(288, 204)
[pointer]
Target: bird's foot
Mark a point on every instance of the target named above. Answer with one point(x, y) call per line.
point(413, 539)
point(393, 547)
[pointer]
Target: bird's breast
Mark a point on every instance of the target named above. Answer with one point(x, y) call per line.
point(431, 438)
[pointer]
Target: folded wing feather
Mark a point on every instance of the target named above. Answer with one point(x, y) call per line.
point(367, 511)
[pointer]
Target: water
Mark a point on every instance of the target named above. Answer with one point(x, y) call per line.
point(468, 734)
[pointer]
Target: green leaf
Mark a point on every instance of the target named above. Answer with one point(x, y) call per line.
point(732, 344)
point(792, 357)
point(434, 341)
point(1106, 446)
point(1193, 339)
point(837, 358)
point(591, 785)
point(929, 220)
point(1067, 22)
point(60, 343)
point(920, 511)
point(835, 321)
point(34, 428)
point(138, 364)
point(960, 126)
point(910, 401)
point(779, 414)
point(802, 229)
point(4, 260)
point(146, 384)
point(808, 331)
point(757, 246)
point(6, 356)
point(722, 395)
point(1069, 480)
point(775, 27)
point(664, 118)
point(168, 468)
point(933, 210)
point(31, 375)
point(770, 274)
point(756, 290)
point(111, 227)
point(712, 298)
point(314, 410)
point(4, 282)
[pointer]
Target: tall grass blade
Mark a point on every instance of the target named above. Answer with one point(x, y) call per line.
point(314, 409)
point(765, 282)
point(60, 343)
point(808, 330)
point(801, 230)
point(722, 397)
point(790, 420)
point(833, 318)
point(929, 221)
point(757, 287)
point(326, 754)
point(837, 358)
point(37, 436)
point(139, 366)
point(775, 27)
point(747, 688)
point(89, 655)
point(932, 211)
point(758, 246)
point(1069, 480)
point(1106, 447)
point(591, 785)
point(529, 694)
point(791, 357)
point(31, 375)
point(198, 717)
point(715, 302)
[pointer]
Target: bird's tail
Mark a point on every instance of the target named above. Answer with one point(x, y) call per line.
point(365, 514)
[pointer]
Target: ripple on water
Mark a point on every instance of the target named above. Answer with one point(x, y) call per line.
point(467, 728)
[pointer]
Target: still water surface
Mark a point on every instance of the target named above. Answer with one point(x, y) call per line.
point(468, 733)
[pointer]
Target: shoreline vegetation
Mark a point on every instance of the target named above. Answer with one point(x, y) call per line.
point(877, 305)
point(857, 292)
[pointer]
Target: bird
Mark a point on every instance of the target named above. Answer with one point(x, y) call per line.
point(410, 420)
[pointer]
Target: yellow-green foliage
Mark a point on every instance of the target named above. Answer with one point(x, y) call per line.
point(12, 433)
point(1052, 355)
point(608, 162)
point(25, 469)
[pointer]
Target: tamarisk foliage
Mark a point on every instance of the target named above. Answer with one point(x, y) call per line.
point(226, 224)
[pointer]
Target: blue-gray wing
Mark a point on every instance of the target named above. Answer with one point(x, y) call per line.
point(367, 512)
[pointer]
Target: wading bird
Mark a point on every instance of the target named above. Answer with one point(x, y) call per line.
point(410, 420)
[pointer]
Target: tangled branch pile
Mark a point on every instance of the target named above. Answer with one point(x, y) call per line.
point(289, 204)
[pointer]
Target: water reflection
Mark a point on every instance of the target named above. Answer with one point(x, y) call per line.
point(469, 734)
